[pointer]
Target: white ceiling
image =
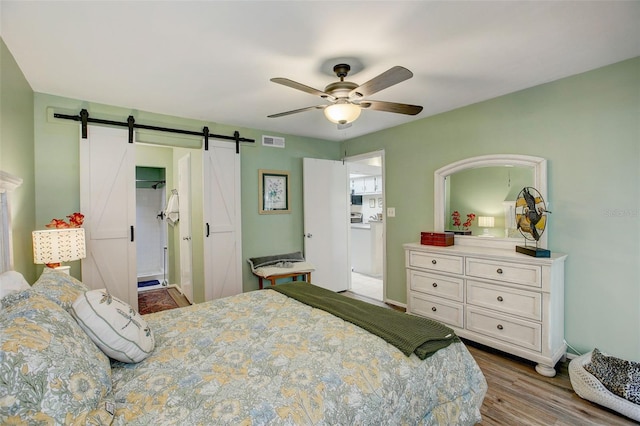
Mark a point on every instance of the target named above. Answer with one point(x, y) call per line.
point(212, 60)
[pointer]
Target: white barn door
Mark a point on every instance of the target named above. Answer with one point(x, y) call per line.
point(222, 221)
point(184, 226)
point(327, 222)
point(107, 199)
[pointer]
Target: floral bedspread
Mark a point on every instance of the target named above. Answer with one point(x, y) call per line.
point(261, 358)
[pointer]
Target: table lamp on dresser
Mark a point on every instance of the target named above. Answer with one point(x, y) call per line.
point(53, 246)
point(486, 222)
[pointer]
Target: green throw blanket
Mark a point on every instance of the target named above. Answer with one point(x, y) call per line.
point(406, 332)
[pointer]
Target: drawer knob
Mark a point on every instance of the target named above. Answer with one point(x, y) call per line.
point(500, 327)
point(500, 299)
point(435, 284)
point(433, 308)
point(434, 261)
point(499, 270)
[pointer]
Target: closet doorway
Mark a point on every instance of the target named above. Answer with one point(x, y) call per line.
point(151, 242)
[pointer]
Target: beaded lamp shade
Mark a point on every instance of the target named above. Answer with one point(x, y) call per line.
point(52, 246)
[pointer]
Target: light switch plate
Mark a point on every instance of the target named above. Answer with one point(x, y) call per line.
point(391, 212)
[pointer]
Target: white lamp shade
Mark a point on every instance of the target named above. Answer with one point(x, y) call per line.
point(486, 221)
point(342, 113)
point(58, 245)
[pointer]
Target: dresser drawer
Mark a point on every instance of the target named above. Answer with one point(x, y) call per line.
point(516, 273)
point(527, 304)
point(437, 309)
point(517, 332)
point(437, 285)
point(437, 262)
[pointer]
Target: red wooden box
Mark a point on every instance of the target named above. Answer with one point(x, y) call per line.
point(436, 238)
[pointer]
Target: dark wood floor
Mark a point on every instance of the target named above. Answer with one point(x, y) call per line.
point(517, 395)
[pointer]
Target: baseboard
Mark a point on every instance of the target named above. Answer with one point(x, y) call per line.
point(395, 303)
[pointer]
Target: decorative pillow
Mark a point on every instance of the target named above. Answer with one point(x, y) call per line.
point(12, 282)
point(51, 372)
point(621, 377)
point(114, 326)
point(59, 287)
point(257, 262)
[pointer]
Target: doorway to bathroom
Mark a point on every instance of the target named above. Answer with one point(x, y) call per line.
point(151, 228)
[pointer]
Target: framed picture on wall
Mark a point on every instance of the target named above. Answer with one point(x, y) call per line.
point(273, 190)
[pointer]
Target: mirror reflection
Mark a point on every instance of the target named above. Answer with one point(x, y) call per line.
point(489, 193)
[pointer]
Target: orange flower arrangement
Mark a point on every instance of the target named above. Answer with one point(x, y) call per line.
point(456, 220)
point(75, 221)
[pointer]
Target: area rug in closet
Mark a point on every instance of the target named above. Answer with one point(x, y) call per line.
point(160, 300)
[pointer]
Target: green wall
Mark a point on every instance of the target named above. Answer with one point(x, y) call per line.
point(57, 175)
point(587, 126)
point(16, 157)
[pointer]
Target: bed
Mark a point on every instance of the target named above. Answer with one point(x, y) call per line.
point(258, 358)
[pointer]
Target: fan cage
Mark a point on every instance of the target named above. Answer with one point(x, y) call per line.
point(522, 220)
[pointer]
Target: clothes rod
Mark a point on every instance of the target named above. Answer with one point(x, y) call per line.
point(84, 118)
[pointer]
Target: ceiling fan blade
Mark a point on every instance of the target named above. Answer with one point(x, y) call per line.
point(391, 107)
point(388, 78)
point(304, 88)
point(295, 111)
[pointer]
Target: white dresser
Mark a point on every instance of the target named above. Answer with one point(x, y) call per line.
point(494, 296)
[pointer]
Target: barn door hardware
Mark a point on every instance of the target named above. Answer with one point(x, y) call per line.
point(84, 119)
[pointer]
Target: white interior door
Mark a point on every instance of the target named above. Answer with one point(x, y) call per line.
point(107, 199)
point(222, 217)
point(326, 222)
point(184, 226)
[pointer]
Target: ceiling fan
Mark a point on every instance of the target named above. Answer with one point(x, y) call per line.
point(346, 98)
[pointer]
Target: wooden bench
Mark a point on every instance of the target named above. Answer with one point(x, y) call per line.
point(293, 275)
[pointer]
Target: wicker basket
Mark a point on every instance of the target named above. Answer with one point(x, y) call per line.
point(590, 388)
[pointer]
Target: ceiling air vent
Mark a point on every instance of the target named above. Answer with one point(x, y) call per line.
point(272, 141)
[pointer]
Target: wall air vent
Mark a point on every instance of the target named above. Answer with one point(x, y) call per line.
point(272, 141)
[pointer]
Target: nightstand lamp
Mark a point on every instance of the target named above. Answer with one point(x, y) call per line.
point(486, 222)
point(53, 246)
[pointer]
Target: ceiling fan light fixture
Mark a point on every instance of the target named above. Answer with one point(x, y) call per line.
point(342, 113)
point(346, 97)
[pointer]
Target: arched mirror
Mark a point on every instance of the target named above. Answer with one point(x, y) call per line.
point(487, 186)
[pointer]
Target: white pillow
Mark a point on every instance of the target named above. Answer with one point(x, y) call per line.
point(12, 282)
point(114, 326)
